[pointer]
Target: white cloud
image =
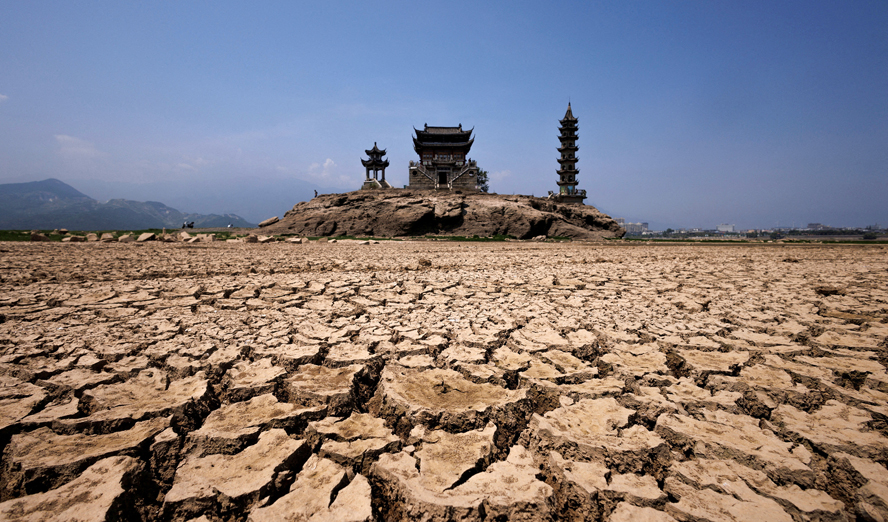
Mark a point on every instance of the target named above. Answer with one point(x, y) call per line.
point(186, 166)
point(500, 175)
point(76, 148)
point(323, 171)
point(3, 98)
point(327, 173)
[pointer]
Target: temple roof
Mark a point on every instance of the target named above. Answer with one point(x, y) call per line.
point(443, 134)
point(445, 130)
point(443, 137)
point(463, 146)
point(453, 144)
point(568, 116)
point(375, 151)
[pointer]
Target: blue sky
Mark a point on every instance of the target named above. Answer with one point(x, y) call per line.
point(691, 114)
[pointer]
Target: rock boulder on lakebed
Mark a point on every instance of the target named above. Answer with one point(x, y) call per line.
point(405, 212)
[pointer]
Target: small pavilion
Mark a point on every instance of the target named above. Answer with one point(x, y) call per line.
point(376, 164)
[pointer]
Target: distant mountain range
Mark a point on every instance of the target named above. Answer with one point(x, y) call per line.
point(53, 204)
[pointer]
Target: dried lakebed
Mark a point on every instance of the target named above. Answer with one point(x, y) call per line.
point(443, 381)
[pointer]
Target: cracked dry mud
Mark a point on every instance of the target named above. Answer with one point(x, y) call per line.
point(443, 381)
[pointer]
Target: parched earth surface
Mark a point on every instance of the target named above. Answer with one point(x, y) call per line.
point(443, 381)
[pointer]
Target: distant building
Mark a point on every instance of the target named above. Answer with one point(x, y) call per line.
point(725, 228)
point(443, 159)
point(818, 226)
point(635, 228)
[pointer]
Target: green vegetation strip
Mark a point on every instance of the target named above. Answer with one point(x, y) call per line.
point(473, 238)
point(25, 235)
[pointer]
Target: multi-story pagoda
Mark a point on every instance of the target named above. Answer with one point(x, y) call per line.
point(443, 159)
point(567, 174)
point(376, 165)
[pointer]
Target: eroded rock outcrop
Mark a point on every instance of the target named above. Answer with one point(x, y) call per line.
point(415, 213)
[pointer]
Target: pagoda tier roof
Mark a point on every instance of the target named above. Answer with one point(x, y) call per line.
point(375, 163)
point(565, 138)
point(567, 148)
point(375, 151)
point(568, 128)
point(567, 171)
point(568, 116)
point(567, 160)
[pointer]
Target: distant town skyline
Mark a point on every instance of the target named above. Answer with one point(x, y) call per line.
point(760, 114)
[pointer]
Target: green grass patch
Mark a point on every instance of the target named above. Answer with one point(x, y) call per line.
point(17, 235)
point(354, 238)
point(25, 235)
point(850, 242)
point(716, 241)
point(472, 238)
point(369, 238)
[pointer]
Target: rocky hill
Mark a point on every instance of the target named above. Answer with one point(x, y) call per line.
point(404, 212)
point(54, 204)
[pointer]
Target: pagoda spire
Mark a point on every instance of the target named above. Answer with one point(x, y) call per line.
point(568, 116)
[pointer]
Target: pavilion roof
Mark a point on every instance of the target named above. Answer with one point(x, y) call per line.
point(375, 151)
point(375, 162)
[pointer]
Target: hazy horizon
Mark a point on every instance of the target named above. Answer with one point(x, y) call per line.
point(690, 114)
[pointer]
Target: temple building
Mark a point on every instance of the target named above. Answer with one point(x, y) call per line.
point(443, 159)
point(375, 165)
point(567, 174)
